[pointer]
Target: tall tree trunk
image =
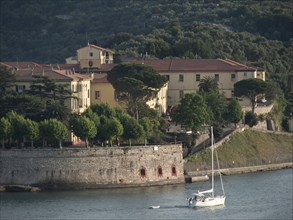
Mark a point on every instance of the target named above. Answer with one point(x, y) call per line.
point(130, 142)
point(32, 143)
point(60, 144)
point(86, 142)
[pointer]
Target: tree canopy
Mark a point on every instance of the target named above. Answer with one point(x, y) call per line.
point(135, 83)
point(192, 112)
point(250, 88)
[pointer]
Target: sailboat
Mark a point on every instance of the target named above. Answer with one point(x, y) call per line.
point(208, 198)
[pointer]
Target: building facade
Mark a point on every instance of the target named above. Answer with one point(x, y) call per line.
point(184, 75)
point(78, 84)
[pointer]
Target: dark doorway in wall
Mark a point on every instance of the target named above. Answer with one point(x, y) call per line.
point(160, 171)
point(142, 172)
point(174, 172)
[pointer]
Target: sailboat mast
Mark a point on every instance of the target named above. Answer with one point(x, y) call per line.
point(212, 139)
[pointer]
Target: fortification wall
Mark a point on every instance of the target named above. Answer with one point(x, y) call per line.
point(92, 168)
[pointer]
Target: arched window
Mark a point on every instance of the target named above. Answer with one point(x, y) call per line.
point(174, 172)
point(160, 171)
point(142, 172)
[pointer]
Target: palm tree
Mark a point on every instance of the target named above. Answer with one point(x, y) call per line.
point(208, 84)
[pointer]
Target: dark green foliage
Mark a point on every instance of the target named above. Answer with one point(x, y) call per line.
point(5, 130)
point(102, 109)
point(83, 127)
point(250, 88)
point(192, 112)
point(30, 106)
point(7, 79)
point(208, 84)
point(132, 129)
point(250, 119)
point(135, 84)
point(234, 112)
point(53, 131)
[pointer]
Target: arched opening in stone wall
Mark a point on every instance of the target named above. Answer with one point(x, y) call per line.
point(160, 171)
point(174, 172)
point(142, 172)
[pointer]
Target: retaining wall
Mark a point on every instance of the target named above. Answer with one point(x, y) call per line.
point(92, 168)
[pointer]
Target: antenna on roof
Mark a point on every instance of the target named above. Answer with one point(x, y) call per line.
point(86, 39)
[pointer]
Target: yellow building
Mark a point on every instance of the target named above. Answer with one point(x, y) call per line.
point(185, 75)
point(78, 84)
point(103, 92)
point(91, 56)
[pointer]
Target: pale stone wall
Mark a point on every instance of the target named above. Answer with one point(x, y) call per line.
point(92, 168)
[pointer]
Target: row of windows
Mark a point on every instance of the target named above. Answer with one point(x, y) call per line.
point(143, 171)
point(198, 77)
point(91, 54)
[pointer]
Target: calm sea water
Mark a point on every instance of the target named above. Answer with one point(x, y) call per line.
point(265, 195)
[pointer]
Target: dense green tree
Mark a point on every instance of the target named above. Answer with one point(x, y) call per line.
point(92, 116)
point(135, 83)
point(192, 112)
point(7, 79)
point(29, 106)
point(5, 130)
point(19, 130)
point(250, 88)
point(250, 119)
point(83, 127)
point(32, 131)
point(208, 84)
point(234, 112)
point(53, 131)
point(55, 96)
point(103, 109)
point(217, 104)
point(132, 129)
point(109, 130)
point(147, 127)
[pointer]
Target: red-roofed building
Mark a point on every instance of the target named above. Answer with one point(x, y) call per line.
point(79, 84)
point(91, 56)
point(185, 74)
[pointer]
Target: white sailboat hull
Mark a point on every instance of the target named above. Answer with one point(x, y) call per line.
point(209, 202)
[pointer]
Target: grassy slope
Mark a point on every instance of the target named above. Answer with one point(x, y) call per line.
point(247, 149)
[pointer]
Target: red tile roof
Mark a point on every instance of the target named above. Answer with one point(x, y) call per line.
point(97, 47)
point(24, 71)
point(192, 65)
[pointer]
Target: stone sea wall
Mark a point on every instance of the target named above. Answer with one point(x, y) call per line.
point(92, 168)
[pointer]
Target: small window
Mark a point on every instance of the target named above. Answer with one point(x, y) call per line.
point(174, 172)
point(88, 93)
point(97, 95)
point(197, 77)
point(233, 76)
point(181, 94)
point(160, 171)
point(91, 54)
point(245, 74)
point(217, 77)
point(143, 172)
point(181, 77)
point(167, 77)
point(20, 88)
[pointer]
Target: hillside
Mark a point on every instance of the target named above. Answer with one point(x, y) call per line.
point(248, 148)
